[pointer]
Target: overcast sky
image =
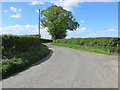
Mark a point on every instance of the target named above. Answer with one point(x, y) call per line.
point(97, 18)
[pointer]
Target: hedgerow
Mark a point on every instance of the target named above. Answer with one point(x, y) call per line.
point(13, 43)
point(19, 52)
point(109, 43)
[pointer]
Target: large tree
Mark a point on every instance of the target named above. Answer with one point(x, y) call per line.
point(58, 21)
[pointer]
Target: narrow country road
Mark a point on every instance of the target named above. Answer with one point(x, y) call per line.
point(68, 68)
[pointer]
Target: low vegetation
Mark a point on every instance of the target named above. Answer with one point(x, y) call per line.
point(19, 52)
point(104, 45)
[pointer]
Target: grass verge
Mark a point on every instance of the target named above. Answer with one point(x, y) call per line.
point(23, 59)
point(87, 48)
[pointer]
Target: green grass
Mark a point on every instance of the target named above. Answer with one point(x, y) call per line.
point(87, 48)
point(23, 59)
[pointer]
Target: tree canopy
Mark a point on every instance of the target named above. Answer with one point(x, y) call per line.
point(58, 21)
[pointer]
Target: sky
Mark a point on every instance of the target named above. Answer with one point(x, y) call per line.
point(97, 18)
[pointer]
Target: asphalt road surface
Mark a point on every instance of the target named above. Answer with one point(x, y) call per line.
point(68, 68)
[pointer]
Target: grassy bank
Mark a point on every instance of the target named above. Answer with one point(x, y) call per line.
point(85, 48)
point(103, 45)
point(20, 52)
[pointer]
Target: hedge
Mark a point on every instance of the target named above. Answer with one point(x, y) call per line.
point(110, 43)
point(23, 60)
point(19, 52)
point(13, 43)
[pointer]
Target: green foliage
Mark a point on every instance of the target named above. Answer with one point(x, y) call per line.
point(20, 52)
point(109, 44)
point(58, 20)
point(12, 44)
point(23, 59)
point(9, 66)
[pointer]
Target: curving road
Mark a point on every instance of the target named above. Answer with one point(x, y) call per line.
point(68, 68)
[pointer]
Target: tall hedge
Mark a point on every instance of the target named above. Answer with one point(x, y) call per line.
point(13, 43)
point(19, 42)
point(19, 52)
